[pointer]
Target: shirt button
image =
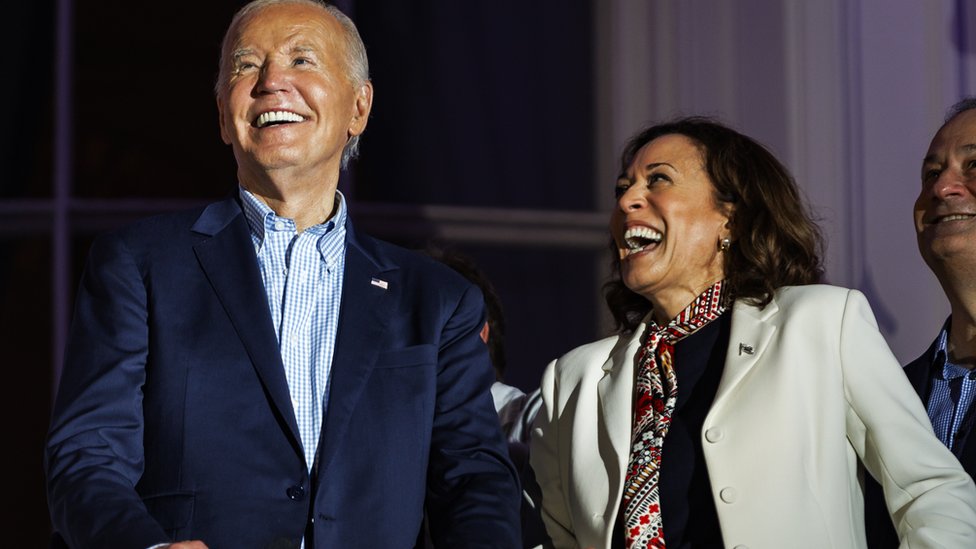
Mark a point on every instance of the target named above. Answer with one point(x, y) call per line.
point(295, 493)
point(728, 495)
point(279, 225)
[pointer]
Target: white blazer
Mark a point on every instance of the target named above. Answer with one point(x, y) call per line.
point(810, 391)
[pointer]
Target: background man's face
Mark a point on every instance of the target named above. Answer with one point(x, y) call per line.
point(945, 211)
point(288, 100)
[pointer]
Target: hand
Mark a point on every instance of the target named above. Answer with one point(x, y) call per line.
point(193, 544)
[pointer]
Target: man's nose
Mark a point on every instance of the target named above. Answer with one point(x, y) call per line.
point(272, 78)
point(949, 183)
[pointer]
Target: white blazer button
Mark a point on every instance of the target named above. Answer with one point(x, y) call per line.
point(714, 435)
point(728, 495)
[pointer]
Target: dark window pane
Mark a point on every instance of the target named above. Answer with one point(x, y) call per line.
point(479, 103)
point(26, 133)
point(25, 337)
point(145, 114)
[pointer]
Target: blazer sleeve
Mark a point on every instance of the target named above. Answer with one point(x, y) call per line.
point(473, 490)
point(544, 458)
point(94, 452)
point(930, 497)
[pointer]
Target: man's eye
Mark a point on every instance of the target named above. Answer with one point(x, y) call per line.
point(301, 61)
point(930, 175)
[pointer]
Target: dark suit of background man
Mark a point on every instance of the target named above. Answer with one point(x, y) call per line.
point(945, 223)
point(258, 374)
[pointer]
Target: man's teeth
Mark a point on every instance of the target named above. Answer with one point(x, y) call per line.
point(954, 217)
point(277, 116)
point(637, 238)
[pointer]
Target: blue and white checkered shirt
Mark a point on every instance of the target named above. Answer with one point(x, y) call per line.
point(302, 276)
point(950, 396)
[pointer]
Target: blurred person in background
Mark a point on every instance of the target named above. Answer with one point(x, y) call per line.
point(516, 409)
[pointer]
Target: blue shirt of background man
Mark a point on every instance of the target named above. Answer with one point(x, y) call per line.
point(950, 396)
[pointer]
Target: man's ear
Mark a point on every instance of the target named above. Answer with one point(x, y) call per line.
point(364, 103)
point(221, 118)
point(485, 331)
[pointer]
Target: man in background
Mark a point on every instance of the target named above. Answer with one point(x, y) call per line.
point(945, 225)
point(256, 373)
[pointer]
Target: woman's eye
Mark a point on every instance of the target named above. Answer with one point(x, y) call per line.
point(657, 178)
point(620, 190)
point(930, 175)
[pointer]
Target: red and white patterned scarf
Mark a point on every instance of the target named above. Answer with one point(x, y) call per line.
point(655, 393)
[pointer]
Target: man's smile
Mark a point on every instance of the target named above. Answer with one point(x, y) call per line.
point(273, 118)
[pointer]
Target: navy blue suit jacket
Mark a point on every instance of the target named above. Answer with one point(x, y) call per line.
point(173, 419)
point(880, 531)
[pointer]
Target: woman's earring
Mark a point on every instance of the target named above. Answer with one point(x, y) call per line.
point(725, 244)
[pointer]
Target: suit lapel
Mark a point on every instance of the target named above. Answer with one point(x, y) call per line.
point(363, 320)
point(917, 371)
point(616, 393)
point(227, 257)
point(751, 331)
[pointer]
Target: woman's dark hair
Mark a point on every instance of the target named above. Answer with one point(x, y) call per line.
point(775, 242)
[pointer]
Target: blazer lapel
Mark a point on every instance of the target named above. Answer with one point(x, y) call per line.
point(228, 260)
point(917, 370)
point(751, 331)
point(363, 320)
point(616, 393)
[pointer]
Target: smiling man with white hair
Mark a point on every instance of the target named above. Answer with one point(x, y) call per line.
point(256, 373)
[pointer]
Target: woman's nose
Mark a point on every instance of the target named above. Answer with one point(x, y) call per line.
point(631, 199)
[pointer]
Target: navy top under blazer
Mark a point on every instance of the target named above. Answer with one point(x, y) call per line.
point(688, 512)
point(173, 419)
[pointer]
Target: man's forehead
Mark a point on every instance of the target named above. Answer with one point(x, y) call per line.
point(958, 134)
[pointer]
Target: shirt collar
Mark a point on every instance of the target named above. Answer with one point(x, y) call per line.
point(260, 218)
point(941, 365)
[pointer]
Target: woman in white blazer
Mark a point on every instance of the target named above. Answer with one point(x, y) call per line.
point(741, 402)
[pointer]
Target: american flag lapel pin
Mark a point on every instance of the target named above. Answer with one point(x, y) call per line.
point(379, 283)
